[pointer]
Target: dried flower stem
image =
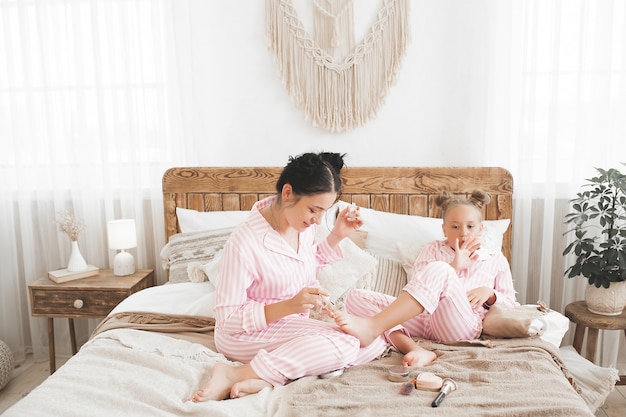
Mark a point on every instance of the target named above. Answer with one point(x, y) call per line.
point(70, 224)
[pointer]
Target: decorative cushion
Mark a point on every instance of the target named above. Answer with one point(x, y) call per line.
point(355, 270)
point(186, 250)
point(6, 364)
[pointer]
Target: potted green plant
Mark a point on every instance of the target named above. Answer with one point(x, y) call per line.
point(598, 223)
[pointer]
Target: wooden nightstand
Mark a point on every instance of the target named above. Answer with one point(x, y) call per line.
point(91, 297)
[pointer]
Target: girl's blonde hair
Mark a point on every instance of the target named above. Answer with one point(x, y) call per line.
point(477, 199)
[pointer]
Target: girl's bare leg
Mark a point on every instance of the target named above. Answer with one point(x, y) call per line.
point(415, 355)
point(366, 329)
point(223, 380)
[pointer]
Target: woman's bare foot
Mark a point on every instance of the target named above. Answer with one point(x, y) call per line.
point(248, 386)
point(223, 378)
point(419, 357)
point(359, 327)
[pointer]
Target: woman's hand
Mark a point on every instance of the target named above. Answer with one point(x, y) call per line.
point(308, 298)
point(481, 295)
point(347, 222)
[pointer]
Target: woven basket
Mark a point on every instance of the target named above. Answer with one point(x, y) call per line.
point(6, 364)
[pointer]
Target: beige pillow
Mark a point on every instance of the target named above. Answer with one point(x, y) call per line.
point(509, 322)
point(389, 277)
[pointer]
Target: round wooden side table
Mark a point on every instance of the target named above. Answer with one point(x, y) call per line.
point(578, 313)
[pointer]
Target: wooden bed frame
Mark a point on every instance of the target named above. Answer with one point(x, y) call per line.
point(402, 190)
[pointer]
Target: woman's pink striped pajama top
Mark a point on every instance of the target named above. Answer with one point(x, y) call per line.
point(257, 268)
point(448, 315)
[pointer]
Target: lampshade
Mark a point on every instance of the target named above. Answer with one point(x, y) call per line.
point(122, 235)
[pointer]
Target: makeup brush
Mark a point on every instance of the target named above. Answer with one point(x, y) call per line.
point(446, 388)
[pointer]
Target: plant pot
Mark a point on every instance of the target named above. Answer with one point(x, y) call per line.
point(606, 301)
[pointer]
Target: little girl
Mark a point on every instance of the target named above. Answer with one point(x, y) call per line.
point(451, 287)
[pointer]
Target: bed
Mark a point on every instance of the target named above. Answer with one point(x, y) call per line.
point(156, 348)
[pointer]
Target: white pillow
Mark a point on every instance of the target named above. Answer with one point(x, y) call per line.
point(386, 231)
point(185, 298)
point(354, 270)
point(194, 221)
point(491, 238)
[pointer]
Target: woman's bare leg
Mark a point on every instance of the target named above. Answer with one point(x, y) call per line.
point(223, 380)
point(366, 329)
point(248, 386)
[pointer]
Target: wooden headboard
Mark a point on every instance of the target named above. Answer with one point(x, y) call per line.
point(403, 190)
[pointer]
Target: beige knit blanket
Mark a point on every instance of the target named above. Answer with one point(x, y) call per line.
point(503, 377)
point(133, 367)
point(517, 377)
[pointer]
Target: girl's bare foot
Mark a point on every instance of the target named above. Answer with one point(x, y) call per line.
point(419, 357)
point(223, 378)
point(248, 386)
point(359, 327)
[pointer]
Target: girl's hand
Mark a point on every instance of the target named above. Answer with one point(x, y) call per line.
point(479, 296)
point(347, 221)
point(465, 253)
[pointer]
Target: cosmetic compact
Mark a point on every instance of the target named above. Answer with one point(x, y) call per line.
point(428, 381)
point(398, 373)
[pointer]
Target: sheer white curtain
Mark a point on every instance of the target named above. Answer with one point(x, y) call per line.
point(556, 111)
point(90, 117)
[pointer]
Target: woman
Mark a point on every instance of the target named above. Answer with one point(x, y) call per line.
point(451, 287)
point(266, 287)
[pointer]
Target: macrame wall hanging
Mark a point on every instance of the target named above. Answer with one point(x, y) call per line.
point(339, 85)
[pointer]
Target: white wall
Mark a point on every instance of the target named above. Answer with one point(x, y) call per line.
point(246, 117)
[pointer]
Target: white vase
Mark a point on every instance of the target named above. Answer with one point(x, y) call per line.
point(606, 301)
point(77, 262)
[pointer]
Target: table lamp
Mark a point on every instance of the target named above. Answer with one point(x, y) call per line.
point(122, 235)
